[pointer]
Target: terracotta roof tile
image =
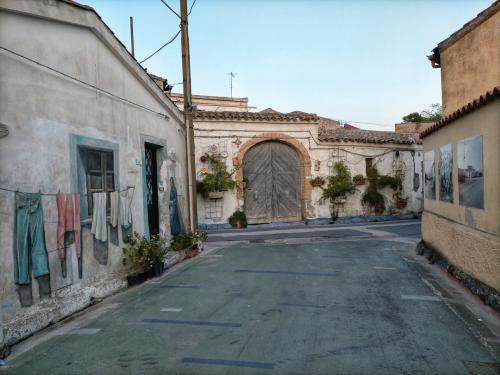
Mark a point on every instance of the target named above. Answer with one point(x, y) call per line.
point(256, 116)
point(328, 134)
point(468, 108)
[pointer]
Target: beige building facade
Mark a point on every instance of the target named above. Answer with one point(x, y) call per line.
point(461, 218)
point(470, 60)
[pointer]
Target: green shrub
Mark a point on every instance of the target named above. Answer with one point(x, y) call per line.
point(238, 216)
point(218, 178)
point(183, 241)
point(143, 252)
point(372, 197)
point(340, 184)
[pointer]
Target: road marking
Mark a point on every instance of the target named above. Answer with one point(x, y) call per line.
point(226, 362)
point(192, 323)
point(287, 272)
point(214, 255)
point(384, 268)
point(186, 286)
point(337, 256)
point(171, 309)
point(84, 331)
point(304, 305)
point(422, 298)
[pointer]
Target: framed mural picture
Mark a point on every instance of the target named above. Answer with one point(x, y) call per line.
point(470, 172)
point(429, 176)
point(446, 173)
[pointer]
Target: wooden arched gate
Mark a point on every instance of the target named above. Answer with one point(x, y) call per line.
point(271, 171)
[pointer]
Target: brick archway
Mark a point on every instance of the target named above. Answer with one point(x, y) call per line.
point(305, 164)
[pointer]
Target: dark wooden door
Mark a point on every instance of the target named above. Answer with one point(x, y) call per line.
point(271, 172)
point(152, 189)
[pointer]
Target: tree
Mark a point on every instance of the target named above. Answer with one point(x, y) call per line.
point(434, 113)
point(413, 117)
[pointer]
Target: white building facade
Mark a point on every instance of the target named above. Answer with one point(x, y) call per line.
point(78, 115)
point(309, 147)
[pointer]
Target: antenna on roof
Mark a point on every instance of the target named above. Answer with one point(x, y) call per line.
point(232, 75)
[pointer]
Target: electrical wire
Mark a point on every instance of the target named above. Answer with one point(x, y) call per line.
point(171, 9)
point(84, 83)
point(163, 46)
point(191, 8)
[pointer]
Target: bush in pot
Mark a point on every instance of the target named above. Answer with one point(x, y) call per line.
point(238, 219)
point(216, 179)
point(186, 242)
point(146, 256)
point(339, 185)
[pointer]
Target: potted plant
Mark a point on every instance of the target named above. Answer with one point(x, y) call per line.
point(216, 179)
point(318, 181)
point(373, 198)
point(339, 185)
point(238, 219)
point(146, 256)
point(359, 179)
point(187, 243)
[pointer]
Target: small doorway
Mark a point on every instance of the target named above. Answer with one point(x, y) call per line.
point(152, 187)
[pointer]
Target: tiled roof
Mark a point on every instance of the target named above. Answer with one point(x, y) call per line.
point(256, 116)
point(472, 106)
point(327, 134)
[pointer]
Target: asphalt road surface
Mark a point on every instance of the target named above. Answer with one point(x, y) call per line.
point(335, 306)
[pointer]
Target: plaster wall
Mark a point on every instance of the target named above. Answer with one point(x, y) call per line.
point(44, 111)
point(470, 66)
point(482, 260)
point(213, 103)
point(233, 135)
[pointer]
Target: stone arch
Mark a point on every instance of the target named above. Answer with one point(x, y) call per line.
point(305, 165)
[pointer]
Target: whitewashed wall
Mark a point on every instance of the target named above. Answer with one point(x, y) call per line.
point(43, 109)
point(209, 133)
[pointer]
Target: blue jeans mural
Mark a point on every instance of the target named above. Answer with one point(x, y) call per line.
point(29, 229)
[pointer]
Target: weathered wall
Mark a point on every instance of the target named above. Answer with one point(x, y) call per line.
point(470, 237)
point(212, 103)
point(412, 127)
point(46, 113)
point(233, 135)
point(471, 65)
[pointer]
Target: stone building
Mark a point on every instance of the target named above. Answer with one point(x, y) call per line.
point(461, 218)
point(309, 146)
point(78, 115)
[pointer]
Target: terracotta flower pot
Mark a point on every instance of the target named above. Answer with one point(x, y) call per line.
point(191, 253)
point(401, 203)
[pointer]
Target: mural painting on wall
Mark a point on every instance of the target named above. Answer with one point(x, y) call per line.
point(446, 173)
point(470, 172)
point(430, 175)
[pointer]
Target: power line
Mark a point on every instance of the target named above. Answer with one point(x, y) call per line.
point(191, 8)
point(171, 9)
point(163, 46)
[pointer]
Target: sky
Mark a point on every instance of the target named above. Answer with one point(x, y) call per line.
point(359, 61)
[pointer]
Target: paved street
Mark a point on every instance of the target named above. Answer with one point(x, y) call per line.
point(339, 300)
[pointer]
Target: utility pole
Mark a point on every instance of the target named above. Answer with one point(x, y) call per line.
point(188, 117)
point(232, 75)
point(132, 35)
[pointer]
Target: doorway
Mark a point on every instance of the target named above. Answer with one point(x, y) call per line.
point(151, 166)
point(271, 172)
